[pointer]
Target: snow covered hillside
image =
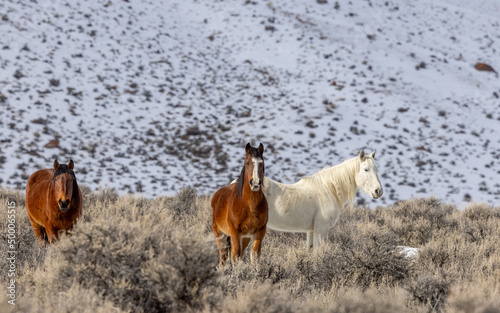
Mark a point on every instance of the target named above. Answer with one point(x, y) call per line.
point(153, 96)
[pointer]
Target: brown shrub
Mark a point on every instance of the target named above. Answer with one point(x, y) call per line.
point(160, 269)
point(480, 212)
point(263, 298)
point(417, 221)
point(359, 301)
point(135, 255)
point(430, 290)
point(26, 245)
point(364, 255)
point(481, 297)
point(21, 305)
point(480, 222)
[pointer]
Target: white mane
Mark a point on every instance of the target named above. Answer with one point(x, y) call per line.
point(338, 179)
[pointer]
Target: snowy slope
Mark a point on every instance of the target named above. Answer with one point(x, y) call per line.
point(153, 96)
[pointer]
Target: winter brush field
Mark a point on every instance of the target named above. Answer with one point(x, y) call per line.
point(129, 254)
point(150, 97)
point(158, 99)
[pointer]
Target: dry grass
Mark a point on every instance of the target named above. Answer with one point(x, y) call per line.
point(132, 254)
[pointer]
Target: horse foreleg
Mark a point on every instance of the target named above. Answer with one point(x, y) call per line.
point(257, 243)
point(309, 241)
point(235, 247)
point(244, 244)
point(318, 239)
point(52, 234)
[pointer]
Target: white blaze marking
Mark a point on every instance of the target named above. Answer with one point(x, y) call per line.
point(255, 177)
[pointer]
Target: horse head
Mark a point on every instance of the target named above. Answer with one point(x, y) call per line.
point(367, 178)
point(253, 171)
point(64, 182)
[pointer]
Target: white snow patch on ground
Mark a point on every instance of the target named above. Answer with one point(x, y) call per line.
point(151, 97)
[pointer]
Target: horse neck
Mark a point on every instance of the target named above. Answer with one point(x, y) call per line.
point(251, 198)
point(340, 180)
point(51, 196)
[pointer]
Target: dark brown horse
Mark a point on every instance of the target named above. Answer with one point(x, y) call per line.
point(240, 210)
point(53, 201)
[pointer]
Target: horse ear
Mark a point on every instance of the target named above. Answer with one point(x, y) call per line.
point(56, 165)
point(248, 147)
point(373, 154)
point(261, 149)
point(71, 164)
point(362, 155)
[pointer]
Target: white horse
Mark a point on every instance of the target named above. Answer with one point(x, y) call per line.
point(313, 204)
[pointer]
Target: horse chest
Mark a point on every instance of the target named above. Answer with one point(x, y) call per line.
point(249, 225)
point(60, 221)
point(250, 221)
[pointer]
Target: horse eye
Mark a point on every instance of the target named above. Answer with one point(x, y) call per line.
point(366, 170)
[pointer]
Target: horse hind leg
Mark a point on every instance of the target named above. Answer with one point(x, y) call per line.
point(223, 242)
point(318, 238)
point(309, 240)
point(40, 233)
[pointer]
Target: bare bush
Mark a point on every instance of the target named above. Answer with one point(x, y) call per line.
point(258, 298)
point(26, 245)
point(131, 254)
point(430, 290)
point(417, 221)
point(358, 301)
point(368, 258)
point(481, 297)
point(142, 266)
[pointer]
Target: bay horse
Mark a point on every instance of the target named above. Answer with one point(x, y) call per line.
point(53, 201)
point(239, 211)
point(313, 204)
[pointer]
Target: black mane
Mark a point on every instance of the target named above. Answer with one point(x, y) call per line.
point(63, 169)
point(241, 182)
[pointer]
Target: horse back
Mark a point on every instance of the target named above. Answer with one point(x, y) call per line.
point(37, 190)
point(292, 207)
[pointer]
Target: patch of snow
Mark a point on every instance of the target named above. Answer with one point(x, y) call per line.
point(408, 252)
point(150, 97)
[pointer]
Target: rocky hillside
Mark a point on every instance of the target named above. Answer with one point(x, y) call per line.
point(150, 97)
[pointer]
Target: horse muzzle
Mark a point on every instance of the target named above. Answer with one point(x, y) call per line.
point(64, 205)
point(255, 186)
point(377, 193)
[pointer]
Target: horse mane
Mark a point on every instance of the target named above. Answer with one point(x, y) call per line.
point(339, 179)
point(241, 182)
point(76, 194)
point(253, 152)
point(61, 170)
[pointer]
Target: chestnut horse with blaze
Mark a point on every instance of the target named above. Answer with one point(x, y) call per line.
point(240, 210)
point(53, 201)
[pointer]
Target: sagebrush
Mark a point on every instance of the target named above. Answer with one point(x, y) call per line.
point(130, 254)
